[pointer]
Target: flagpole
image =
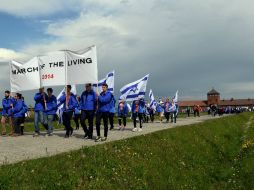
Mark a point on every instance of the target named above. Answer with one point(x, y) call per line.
point(66, 103)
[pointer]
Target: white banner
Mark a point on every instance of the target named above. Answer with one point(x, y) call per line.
point(82, 66)
point(24, 76)
point(56, 69)
point(53, 69)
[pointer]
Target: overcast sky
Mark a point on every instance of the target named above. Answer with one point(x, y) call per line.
point(187, 45)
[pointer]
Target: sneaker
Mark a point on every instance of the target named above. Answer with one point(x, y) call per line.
point(104, 139)
point(111, 128)
point(123, 128)
point(86, 136)
point(4, 134)
point(98, 139)
point(134, 129)
point(36, 134)
point(139, 129)
point(119, 127)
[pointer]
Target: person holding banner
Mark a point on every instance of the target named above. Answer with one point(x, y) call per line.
point(137, 112)
point(122, 114)
point(50, 111)
point(88, 101)
point(104, 101)
point(40, 99)
point(70, 103)
point(6, 112)
point(18, 110)
point(112, 112)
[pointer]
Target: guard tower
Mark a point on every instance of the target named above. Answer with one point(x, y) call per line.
point(213, 97)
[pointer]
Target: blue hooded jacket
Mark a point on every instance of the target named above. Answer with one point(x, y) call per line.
point(112, 105)
point(51, 105)
point(17, 109)
point(6, 102)
point(164, 106)
point(124, 111)
point(88, 100)
point(39, 102)
point(141, 106)
point(104, 101)
point(72, 104)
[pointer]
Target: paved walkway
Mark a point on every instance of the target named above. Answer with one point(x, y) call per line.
point(15, 149)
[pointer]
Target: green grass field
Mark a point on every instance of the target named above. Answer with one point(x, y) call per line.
point(216, 154)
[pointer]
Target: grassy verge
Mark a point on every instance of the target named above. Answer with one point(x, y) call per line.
point(216, 154)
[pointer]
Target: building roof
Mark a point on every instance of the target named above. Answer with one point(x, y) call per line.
point(213, 92)
point(202, 103)
point(237, 102)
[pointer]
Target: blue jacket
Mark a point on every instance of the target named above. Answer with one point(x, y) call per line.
point(104, 101)
point(72, 104)
point(164, 106)
point(51, 105)
point(141, 106)
point(77, 109)
point(18, 109)
point(39, 102)
point(88, 100)
point(124, 111)
point(112, 105)
point(6, 102)
point(25, 109)
point(159, 108)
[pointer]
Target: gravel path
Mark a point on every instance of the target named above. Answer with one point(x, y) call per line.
point(15, 149)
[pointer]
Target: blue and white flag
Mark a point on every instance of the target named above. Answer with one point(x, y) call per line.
point(109, 80)
point(175, 98)
point(153, 103)
point(134, 90)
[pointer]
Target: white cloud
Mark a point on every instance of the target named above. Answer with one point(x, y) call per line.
point(181, 43)
point(8, 54)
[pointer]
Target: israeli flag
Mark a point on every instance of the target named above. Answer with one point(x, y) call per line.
point(134, 90)
point(153, 102)
point(175, 98)
point(109, 80)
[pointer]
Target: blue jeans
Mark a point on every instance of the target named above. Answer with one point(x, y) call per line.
point(49, 121)
point(40, 116)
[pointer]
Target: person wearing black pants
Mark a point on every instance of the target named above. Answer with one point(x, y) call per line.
point(140, 117)
point(70, 103)
point(104, 116)
point(104, 101)
point(122, 114)
point(87, 115)
point(67, 123)
point(88, 101)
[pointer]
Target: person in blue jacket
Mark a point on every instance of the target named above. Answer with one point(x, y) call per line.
point(51, 108)
point(137, 112)
point(40, 99)
point(24, 112)
point(6, 112)
point(166, 107)
point(104, 100)
point(69, 104)
point(88, 103)
point(122, 114)
point(18, 110)
point(77, 113)
point(112, 111)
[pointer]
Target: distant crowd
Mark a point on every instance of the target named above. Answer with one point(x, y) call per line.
point(82, 109)
point(91, 106)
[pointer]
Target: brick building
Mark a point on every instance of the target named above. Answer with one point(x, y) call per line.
point(213, 97)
